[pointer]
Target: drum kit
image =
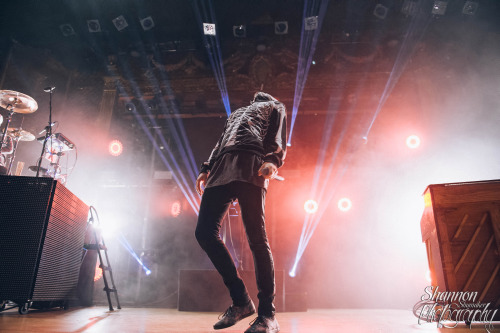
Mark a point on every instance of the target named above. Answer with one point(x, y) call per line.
point(54, 145)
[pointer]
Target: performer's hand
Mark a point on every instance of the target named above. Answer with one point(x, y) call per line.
point(201, 181)
point(267, 170)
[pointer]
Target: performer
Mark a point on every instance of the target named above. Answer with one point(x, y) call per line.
point(250, 150)
point(7, 148)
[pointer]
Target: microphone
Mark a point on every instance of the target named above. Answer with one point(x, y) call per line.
point(266, 172)
point(49, 89)
point(47, 127)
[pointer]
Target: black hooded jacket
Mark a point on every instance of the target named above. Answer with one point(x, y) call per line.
point(252, 135)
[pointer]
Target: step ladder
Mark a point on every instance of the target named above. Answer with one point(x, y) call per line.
point(99, 245)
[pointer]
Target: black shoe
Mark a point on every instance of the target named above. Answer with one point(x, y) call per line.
point(263, 324)
point(234, 314)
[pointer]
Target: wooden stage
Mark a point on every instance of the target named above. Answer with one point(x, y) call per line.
point(100, 319)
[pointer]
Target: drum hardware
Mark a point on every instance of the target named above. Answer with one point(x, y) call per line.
point(44, 171)
point(15, 102)
point(48, 131)
point(17, 134)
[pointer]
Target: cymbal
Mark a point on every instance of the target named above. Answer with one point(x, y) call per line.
point(20, 134)
point(17, 102)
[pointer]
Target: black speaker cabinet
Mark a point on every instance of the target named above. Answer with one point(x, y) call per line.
point(203, 290)
point(42, 227)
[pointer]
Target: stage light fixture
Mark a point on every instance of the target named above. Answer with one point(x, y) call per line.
point(175, 208)
point(120, 23)
point(344, 204)
point(239, 31)
point(311, 206)
point(67, 29)
point(311, 23)
point(380, 11)
point(439, 7)
point(98, 271)
point(470, 7)
point(93, 26)
point(147, 23)
point(209, 29)
point(413, 141)
point(130, 107)
point(115, 148)
point(281, 27)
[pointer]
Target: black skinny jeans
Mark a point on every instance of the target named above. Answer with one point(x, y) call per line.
point(214, 204)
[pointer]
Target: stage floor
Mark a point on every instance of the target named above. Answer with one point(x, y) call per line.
point(100, 319)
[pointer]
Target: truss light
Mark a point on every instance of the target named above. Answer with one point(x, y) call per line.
point(281, 27)
point(120, 23)
point(147, 23)
point(93, 26)
point(67, 29)
point(239, 31)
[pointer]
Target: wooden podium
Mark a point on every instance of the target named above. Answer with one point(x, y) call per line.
point(461, 230)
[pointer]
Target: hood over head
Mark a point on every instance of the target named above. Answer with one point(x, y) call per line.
point(263, 97)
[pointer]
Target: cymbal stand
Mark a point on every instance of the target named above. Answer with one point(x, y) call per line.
point(15, 143)
point(48, 134)
point(9, 117)
point(13, 156)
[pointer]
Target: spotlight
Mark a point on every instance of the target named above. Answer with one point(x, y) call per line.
point(380, 11)
point(313, 62)
point(120, 23)
point(344, 204)
point(115, 148)
point(311, 206)
point(311, 23)
point(413, 142)
point(470, 7)
point(93, 25)
point(98, 271)
point(293, 271)
point(439, 7)
point(130, 107)
point(67, 29)
point(239, 31)
point(281, 27)
point(288, 144)
point(209, 29)
point(175, 208)
point(147, 23)
point(147, 271)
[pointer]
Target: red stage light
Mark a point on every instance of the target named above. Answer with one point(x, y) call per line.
point(175, 209)
point(413, 141)
point(98, 271)
point(311, 206)
point(344, 204)
point(115, 148)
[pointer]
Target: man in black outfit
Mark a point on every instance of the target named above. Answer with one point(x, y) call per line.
point(250, 150)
